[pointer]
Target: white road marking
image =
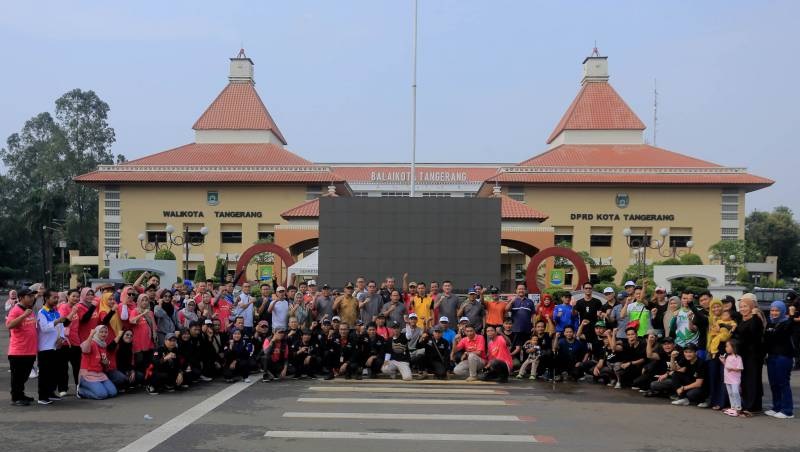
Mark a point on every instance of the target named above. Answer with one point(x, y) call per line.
point(405, 416)
point(406, 401)
point(384, 381)
point(373, 389)
point(181, 421)
point(464, 438)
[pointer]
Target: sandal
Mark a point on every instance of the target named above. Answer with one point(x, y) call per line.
point(716, 407)
point(731, 412)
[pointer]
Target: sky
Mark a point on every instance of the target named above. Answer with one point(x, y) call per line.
point(494, 77)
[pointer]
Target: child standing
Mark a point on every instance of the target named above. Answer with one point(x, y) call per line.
point(733, 377)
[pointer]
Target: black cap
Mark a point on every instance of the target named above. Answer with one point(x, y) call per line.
point(325, 286)
point(667, 340)
point(359, 322)
point(22, 292)
point(791, 296)
point(306, 332)
point(326, 322)
point(692, 347)
point(494, 290)
point(396, 325)
point(349, 285)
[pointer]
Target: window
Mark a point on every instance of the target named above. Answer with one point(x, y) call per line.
point(112, 226)
point(156, 236)
point(266, 235)
point(563, 235)
point(679, 241)
point(112, 242)
point(730, 207)
point(195, 237)
point(730, 199)
point(516, 192)
point(600, 236)
point(360, 194)
point(112, 194)
point(112, 234)
point(600, 240)
point(470, 195)
point(313, 191)
point(435, 195)
point(730, 231)
point(231, 236)
point(395, 194)
point(730, 216)
point(639, 240)
point(112, 204)
point(111, 212)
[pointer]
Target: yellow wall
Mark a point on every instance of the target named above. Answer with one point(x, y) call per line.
point(698, 208)
point(140, 205)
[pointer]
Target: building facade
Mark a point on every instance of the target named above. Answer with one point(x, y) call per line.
point(596, 178)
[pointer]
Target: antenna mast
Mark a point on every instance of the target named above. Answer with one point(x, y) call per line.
point(414, 106)
point(655, 110)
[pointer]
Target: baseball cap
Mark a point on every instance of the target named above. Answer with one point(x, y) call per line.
point(280, 289)
point(325, 286)
point(22, 292)
point(208, 322)
point(395, 325)
point(494, 290)
point(359, 322)
point(412, 284)
point(692, 347)
point(622, 295)
point(791, 296)
point(463, 319)
point(608, 290)
point(667, 340)
point(326, 322)
point(600, 323)
point(336, 318)
point(306, 332)
point(349, 285)
point(412, 316)
point(630, 283)
point(169, 336)
point(444, 319)
point(660, 289)
point(437, 328)
point(313, 282)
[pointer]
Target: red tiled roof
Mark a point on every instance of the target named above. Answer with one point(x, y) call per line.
point(633, 178)
point(511, 209)
point(238, 107)
point(615, 155)
point(597, 107)
point(375, 174)
point(244, 177)
point(308, 209)
point(223, 154)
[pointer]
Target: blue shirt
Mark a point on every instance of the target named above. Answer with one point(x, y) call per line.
point(563, 317)
point(448, 335)
point(521, 312)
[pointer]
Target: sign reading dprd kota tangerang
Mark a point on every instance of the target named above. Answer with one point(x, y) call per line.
point(624, 216)
point(217, 213)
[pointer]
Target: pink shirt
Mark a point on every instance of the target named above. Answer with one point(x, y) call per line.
point(71, 331)
point(24, 338)
point(477, 345)
point(499, 350)
point(733, 370)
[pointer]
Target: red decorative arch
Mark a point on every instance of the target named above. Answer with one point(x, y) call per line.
point(555, 251)
point(254, 250)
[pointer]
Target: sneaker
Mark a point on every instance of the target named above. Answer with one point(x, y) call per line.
point(206, 379)
point(681, 402)
point(55, 397)
point(674, 397)
point(152, 390)
point(34, 373)
point(266, 379)
point(618, 385)
point(247, 380)
point(770, 413)
point(532, 377)
point(780, 415)
point(611, 383)
point(45, 401)
point(643, 391)
point(20, 403)
point(520, 377)
point(471, 379)
point(635, 388)
point(62, 393)
point(702, 405)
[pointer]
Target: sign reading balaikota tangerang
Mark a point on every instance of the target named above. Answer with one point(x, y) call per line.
point(423, 176)
point(624, 216)
point(217, 213)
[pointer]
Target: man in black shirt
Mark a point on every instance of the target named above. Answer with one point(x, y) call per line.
point(684, 378)
point(397, 357)
point(588, 308)
point(342, 354)
point(658, 357)
point(373, 349)
point(631, 356)
point(437, 353)
point(304, 354)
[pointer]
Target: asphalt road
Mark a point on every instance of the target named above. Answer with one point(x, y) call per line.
point(349, 415)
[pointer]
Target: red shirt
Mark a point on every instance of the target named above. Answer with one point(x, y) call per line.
point(477, 345)
point(223, 312)
point(64, 309)
point(142, 333)
point(24, 339)
point(84, 328)
point(93, 360)
point(498, 349)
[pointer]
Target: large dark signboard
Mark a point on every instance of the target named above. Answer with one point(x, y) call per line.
point(430, 238)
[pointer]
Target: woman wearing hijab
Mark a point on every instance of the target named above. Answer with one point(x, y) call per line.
point(188, 315)
point(780, 351)
point(94, 384)
point(749, 334)
point(144, 333)
point(716, 387)
point(88, 317)
point(12, 299)
point(544, 312)
point(673, 305)
point(108, 312)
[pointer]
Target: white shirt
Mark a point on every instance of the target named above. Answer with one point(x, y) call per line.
point(48, 331)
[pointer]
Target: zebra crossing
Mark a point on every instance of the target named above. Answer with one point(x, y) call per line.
point(438, 413)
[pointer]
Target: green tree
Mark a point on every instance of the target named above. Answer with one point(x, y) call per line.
point(165, 254)
point(200, 273)
point(606, 273)
point(776, 234)
point(220, 270)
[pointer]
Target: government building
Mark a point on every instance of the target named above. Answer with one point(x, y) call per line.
point(596, 186)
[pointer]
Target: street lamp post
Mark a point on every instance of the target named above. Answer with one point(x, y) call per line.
point(727, 261)
point(184, 240)
point(640, 245)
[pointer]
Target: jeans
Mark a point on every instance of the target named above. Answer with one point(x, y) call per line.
point(779, 371)
point(97, 390)
point(498, 370)
point(734, 396)
point(21, 366)
point(716, 386)
point(119, 379)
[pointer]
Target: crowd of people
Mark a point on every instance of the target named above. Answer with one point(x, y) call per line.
point(691, 348)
